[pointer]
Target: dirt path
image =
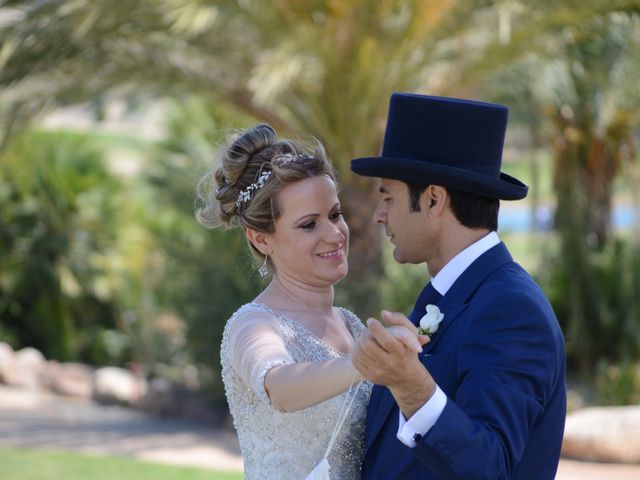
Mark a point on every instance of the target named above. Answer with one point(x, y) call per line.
point(38, 420)
point(41, 420)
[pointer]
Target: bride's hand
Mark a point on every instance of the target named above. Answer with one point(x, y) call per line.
point(402, 328)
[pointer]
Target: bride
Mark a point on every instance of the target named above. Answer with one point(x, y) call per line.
point(286, 356)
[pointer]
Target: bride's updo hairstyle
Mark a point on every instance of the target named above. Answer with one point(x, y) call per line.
point(252, 168)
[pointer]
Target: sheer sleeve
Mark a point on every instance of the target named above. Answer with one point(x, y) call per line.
point(255, 347)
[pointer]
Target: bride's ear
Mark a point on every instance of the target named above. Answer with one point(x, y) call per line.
point(261, 241)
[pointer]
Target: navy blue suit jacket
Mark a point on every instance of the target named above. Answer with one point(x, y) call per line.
point(499, 357)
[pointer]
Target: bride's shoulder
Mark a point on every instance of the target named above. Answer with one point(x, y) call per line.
point(250, 313)
point(252, 310)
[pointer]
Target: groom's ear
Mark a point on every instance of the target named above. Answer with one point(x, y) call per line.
point(259, 240)
point(435, 199)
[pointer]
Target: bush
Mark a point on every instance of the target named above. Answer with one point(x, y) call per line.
point(618, 384)
point(596, 295)
point(58, 214)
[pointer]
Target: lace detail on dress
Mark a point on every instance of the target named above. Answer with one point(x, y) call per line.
point(262, 393)
point(288, 445)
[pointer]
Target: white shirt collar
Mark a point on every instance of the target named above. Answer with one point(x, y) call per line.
point(457, 265)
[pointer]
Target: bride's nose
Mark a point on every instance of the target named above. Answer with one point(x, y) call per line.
point(333, 234)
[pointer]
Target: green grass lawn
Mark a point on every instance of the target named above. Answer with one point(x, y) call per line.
point(25, 464)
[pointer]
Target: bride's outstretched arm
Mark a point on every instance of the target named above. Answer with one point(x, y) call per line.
point(301, 385)
point(260, 357)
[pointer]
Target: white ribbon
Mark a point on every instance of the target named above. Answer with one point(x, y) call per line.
point(322, 471)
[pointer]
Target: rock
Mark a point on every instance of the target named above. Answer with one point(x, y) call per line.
point(71, 379)
point(26, 369)
point(116, 385)
point(603, 434)
point(160, 398)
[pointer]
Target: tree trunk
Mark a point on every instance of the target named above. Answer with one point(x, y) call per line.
point(359, 199)
point(583, 162)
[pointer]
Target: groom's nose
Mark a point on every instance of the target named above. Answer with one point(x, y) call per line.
point(380, 214)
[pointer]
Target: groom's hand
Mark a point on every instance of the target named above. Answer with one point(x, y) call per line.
point(385, 357)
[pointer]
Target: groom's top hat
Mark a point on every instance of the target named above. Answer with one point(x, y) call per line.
point(444, 141)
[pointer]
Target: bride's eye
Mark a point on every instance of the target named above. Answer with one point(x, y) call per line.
point(309, 225)
point(336, 215)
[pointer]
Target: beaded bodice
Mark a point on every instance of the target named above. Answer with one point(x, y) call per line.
point(288, 445)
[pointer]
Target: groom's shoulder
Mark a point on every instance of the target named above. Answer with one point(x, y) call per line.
point(511, 289)
point(510, 280)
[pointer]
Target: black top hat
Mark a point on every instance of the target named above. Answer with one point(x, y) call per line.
point(444, 141)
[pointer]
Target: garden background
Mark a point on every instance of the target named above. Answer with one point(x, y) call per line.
point(110, 111)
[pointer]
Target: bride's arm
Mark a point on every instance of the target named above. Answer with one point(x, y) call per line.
point(301, 385)
point(260, 357)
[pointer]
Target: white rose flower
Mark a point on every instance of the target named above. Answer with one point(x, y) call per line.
point(430, 322)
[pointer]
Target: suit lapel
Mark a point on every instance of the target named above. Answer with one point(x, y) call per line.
point(457, 298)
point(452, 305)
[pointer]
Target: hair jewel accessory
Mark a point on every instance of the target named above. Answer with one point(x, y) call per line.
point(246, 193)
point(289, 158)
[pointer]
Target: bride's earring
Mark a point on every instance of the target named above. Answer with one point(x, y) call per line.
point(264, 270)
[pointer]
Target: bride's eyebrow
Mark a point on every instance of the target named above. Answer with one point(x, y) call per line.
point(307, 216)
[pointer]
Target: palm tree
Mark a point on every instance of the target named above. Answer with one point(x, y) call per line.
point(324, 68)
point(309, 68)
point(578, 87)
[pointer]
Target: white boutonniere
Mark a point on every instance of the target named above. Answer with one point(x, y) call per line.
point(430, 321)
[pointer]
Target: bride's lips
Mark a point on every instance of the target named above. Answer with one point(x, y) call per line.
point(332, 254)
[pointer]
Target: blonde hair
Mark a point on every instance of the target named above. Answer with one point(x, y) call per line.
point(239, 165)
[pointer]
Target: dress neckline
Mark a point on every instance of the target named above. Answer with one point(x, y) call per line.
point(308, 331)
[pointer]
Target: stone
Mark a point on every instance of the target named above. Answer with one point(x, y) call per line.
point(116, 385)
point(603, 434)
point(25, 369)
point(160, 398)
point(70, 379)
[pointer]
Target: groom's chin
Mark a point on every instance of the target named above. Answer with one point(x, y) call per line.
point(398, 257)
point(404, 260)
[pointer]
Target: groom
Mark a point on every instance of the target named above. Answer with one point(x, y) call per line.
point(486, 398)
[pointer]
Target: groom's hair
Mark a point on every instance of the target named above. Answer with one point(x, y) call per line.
point(470, 209)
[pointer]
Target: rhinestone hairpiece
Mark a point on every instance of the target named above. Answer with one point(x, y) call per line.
point(290, 157)
point(246, 193)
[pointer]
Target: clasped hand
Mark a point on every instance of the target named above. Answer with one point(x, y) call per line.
point(388, 356)
point(382, 355)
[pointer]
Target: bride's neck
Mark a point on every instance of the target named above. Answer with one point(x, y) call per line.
point(293, 295)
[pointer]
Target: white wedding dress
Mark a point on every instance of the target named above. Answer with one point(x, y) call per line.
point(286, 445)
